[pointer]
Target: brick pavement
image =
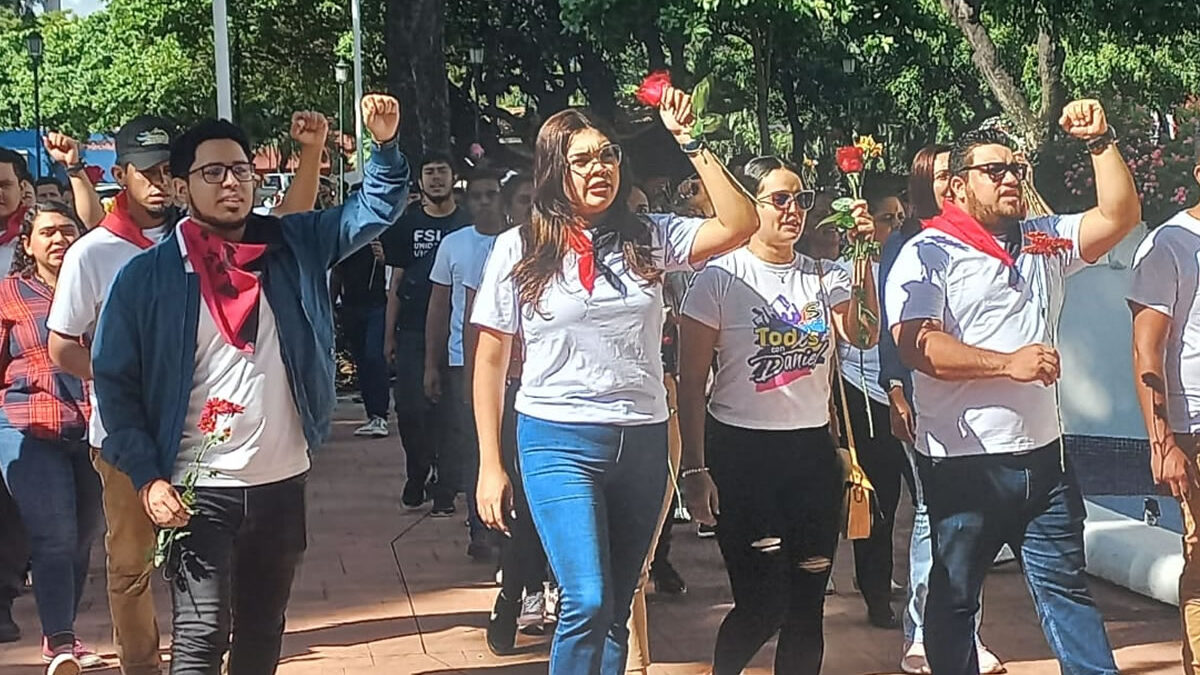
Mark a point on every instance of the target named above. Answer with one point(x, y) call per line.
point(350, 613)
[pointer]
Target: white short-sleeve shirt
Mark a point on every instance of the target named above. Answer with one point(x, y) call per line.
point(458, 257)
point(983, 303)
point(1166, 279)
point(774, 342)
point(593, 358)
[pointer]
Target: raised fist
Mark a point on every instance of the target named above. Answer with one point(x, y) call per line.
point(381, 115)
point(309, 128)
point(676, 112)
point(62, 148)
point(1084, 119)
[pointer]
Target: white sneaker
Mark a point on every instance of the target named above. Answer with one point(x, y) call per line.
point(914, 661)
point(533, 611)
point(1004, 556)
point(377, 427)
point(64, 664)
point(989, 663)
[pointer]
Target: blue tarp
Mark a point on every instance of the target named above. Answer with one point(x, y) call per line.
point(98, 150)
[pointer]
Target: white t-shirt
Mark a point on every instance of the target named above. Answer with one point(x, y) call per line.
point(6, 255)
point(861, 366)
point(267, 443)
point(460, 254)
point(87, 273)
point(984, 304)
point(1166, 278)
point(773, 341)
point(588, 358)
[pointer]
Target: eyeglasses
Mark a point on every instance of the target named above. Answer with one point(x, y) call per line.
point(998, 170)
point(215, 173)
point(642, 209)
point(608, 156)
point(803, 199)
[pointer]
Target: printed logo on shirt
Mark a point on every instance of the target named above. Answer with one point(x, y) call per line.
point(424, 241)
point(791, 342)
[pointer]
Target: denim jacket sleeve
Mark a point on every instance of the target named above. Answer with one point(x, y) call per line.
point(890, 365)
point(117, 376)
point(333, 234)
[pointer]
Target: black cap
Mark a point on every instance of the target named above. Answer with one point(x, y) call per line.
point(145, 141)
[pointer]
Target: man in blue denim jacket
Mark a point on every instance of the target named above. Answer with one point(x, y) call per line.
point(213, 362)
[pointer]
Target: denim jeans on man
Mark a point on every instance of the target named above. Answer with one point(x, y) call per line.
point(976, 505)
point(364, 326)
point(595, 492)
point(233, 572)
point(58, 493)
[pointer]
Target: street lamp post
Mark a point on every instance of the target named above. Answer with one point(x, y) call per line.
point(341, 73)
point(476, 57)
point(34, 43)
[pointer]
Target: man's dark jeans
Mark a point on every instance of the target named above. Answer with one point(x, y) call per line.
point(364, 329)
point(976, 505)
point(14, 549)
point(234, 575)
point(416, 416)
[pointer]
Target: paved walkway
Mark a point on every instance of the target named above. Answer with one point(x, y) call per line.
point(350, 613)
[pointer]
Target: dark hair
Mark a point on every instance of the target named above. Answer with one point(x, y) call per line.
point(755, 171)
point(545, 239)
point(483, 175)
point(20, 167)
point(435, 158)
point(48, 180)
point(960, 154)
point(509, 188)
point(879, 189)
point(183, 150)
point(924, 203)
point(23, 264)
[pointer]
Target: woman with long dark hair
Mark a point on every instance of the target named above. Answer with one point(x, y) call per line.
point(43, 437)
point(769, 315)
point(582, 284)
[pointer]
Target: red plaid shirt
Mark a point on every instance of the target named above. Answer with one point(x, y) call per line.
point(36, 396)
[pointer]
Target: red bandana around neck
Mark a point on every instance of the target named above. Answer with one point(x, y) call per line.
point(581, 244)
point(959, 224)
point(120, 222)
point(12, 228)
point(229, 290)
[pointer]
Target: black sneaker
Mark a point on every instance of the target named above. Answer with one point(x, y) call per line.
point(881, 616)
point(442, 508)
point(414, 494)
point(502, 625)
point(706, 531)
point(9, 630)
point(666, 579)
point(480, 550)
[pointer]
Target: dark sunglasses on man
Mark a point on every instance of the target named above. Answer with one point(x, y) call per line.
point(996, 171)
point(803, 199)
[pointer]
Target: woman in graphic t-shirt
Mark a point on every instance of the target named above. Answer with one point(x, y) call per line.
point(582, 284)
point(776, 487)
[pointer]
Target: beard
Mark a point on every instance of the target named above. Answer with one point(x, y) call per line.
point(996, 217)
point(223, 223)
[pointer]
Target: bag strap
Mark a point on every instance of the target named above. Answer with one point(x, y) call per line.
point(835, 366)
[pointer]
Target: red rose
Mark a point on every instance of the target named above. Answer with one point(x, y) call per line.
point(652, 88)
point(850, 159)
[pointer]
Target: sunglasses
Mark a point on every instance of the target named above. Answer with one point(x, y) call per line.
point(998, 170)
point(803, 199)
point(215, 173)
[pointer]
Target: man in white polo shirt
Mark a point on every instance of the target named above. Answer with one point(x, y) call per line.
point(1165, 301)
point(974, 301)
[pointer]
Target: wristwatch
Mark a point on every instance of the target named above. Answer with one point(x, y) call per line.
point(892, 384)
point(76, 169)
point(1100, 143)
point(692, 147)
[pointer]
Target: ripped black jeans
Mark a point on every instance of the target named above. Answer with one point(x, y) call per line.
point(781, 504)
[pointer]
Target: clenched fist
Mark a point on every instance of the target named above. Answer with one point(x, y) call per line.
point(1084, 119)
point(309, 128)
point(62, 148)
point(1034, 363)
point(676, 113)
point(381, 115)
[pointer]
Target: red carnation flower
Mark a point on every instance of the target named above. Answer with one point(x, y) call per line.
point(214, 408)
point(1041, 243)
point(652, 88)
point(850, 159)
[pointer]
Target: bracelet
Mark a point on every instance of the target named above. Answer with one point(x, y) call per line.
point(76, 169)
point(692, 472)
point(1101, 143)
point(692, 147)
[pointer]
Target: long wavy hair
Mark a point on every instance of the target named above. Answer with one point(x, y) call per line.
point(23, 264)
point(924, 204)
point(545, 239)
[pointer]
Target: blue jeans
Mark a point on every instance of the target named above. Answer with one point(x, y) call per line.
point(595, 492)
point(58, 493)
point(976, 505)
point(364, 332)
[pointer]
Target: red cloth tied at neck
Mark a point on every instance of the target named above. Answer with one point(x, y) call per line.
point(581, 244)
point(959, 224)
point(120, 222)
point(12, 229)
point(229, 289)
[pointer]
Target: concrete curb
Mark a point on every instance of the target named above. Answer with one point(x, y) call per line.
point(1146, 560)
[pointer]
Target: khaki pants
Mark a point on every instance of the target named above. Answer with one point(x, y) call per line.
point(639, 629)
point(129, 543)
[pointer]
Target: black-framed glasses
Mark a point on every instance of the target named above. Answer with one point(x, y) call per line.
point(996, 171)
point(803, 199)
point(216, 172)
point(608, 156)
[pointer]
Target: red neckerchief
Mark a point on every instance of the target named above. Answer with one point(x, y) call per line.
point(120, 222)
point(959, 224)
point(12, 229)
point(229, 290)
point(582, 246)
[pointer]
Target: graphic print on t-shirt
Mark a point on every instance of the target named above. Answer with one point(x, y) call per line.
point(791, 342)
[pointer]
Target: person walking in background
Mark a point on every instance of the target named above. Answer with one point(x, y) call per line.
point(360, 282)
point(43, 438)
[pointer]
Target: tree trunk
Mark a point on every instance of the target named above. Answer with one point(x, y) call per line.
point(416, 73)
point(647, 32)
point(676, 45)
point(1050, 67)
point(598, 83)
point(762, 81)
point(787, 86)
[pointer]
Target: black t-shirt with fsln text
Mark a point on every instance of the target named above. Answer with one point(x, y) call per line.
point(410, 245)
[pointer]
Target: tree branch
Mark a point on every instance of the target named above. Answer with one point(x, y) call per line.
point(1050, 65)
